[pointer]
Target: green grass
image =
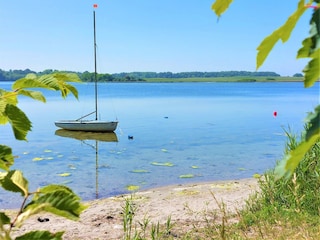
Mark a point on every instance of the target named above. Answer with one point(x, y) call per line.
point(228, 79)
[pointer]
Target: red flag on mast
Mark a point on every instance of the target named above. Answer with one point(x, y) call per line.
point(95, 5)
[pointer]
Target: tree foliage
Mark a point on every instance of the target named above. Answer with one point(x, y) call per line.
point(138, 76)
point(57, 199)
point(310, 49)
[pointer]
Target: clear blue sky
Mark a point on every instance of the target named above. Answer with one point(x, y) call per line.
point(146, 35)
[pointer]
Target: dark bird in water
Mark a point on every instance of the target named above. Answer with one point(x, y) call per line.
point(130, 137)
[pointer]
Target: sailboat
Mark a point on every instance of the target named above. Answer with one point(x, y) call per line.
point(81, 124)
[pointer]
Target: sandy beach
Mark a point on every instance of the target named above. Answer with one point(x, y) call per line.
point(185, 204)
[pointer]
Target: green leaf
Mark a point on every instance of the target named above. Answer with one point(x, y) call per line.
point(266, 46)
point(33, 94)
point(15, 182)
point(304, 51)
point(55, 187)
point(55, 81)
point(59, 81)
point(312, 70)
point(20, 123)
point(30, 81)
point(59, 200)
point(4, 219)
point(41, 235)
point(6, 157)
point(7, 97)
point(313, 121)
point(27, 213)
point(282, 33)
point(220, 6)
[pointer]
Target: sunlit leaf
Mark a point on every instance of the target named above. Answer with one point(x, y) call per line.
point(59, 81)
point(37, 159)
point(36, 95)
point(186, 176)
point(7, 97)
point(55, 81)
point(282, 33)
point(6, 157)
point(304, 51)
point(132, 187)
point(47, 151)
point(41, 235)
point(15, 182)
point(312, 70)
point(55, 187)
point(265, 47)
point(194, 167)
point(3, 119)
point(30, 81)
point(164, 150)
point(220, 6)
point(59, 200)
point(20, 123)
point(27, 213)
point(313, 122)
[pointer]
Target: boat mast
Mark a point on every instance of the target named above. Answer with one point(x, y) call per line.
point(95, 61)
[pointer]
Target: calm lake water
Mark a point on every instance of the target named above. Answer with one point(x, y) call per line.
point(214, 131)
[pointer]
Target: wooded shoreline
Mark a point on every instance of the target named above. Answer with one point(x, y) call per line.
point(223, 76)
point(213, 79)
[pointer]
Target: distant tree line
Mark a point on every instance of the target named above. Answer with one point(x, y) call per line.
point(144, 75)
point(13, 75)
point(86, 76)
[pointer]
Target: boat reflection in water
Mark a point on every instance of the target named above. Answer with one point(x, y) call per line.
point(79, 135)
point(83, 137)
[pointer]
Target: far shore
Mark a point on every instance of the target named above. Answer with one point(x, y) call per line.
point(227, 79)
point(188, 205)
point(234, 79)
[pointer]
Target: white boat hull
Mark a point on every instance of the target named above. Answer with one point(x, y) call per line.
point(87, 125)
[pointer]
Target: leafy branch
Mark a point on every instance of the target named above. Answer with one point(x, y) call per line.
point(57, 199)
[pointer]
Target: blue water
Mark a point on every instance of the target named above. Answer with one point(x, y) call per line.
point(215, 131)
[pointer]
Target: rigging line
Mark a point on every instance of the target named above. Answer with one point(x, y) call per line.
point(111, 99)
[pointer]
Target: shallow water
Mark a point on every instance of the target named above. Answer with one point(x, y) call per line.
point(214, 131)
